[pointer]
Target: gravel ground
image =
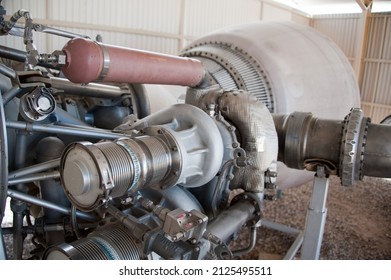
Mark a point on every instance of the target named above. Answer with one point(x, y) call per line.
point(358, 224)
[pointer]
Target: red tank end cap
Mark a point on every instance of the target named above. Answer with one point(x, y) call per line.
point(84, 61)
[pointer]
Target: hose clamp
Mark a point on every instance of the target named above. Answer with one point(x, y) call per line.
point(106, 62)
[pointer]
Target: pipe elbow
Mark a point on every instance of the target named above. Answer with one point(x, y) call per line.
point(257, 133)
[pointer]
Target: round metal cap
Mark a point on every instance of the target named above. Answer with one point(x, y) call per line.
point(80, 176)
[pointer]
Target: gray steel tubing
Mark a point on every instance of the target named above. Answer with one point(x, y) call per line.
point(91, 89)
point(377, 153)
point(34, 168)
point(303, 138)
point(18, 206)
point(76, 131)
point(14, 91)
point(18, 238)
point(12, 54)
point(34, 177)
point(3, 161)
point(8, 72)
point(45, 228)
point(58, 32)
point(47, 204)
point(231, 220)
point(250, 247)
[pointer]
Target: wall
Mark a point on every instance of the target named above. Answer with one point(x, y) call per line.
point(376, 85)
point(155, 25)
point(342, 29)
point(376, 81)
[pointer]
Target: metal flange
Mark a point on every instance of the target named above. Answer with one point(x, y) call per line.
point(354, 132)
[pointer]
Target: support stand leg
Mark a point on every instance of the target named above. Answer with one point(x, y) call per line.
point(316, 217)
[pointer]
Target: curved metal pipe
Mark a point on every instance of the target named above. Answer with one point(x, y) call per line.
point(256, 128)
point(13, 20)
point(251, 245)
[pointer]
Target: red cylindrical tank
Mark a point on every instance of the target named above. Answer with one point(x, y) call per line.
point(89, 61)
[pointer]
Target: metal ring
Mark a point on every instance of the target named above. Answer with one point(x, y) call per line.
point(106, 62)
point(350, 157)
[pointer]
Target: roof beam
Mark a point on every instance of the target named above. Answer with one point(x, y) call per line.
point(364, 4)
point(362, 39)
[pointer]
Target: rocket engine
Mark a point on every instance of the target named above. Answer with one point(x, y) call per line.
point(98, 176)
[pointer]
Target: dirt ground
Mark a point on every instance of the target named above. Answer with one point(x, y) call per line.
point(358, 224)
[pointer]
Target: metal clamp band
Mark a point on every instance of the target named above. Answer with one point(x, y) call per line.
point(136, 164)
point(106, 62)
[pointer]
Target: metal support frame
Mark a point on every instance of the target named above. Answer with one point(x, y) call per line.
point(285, 229)
point(316, 217)
point(310, 239)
